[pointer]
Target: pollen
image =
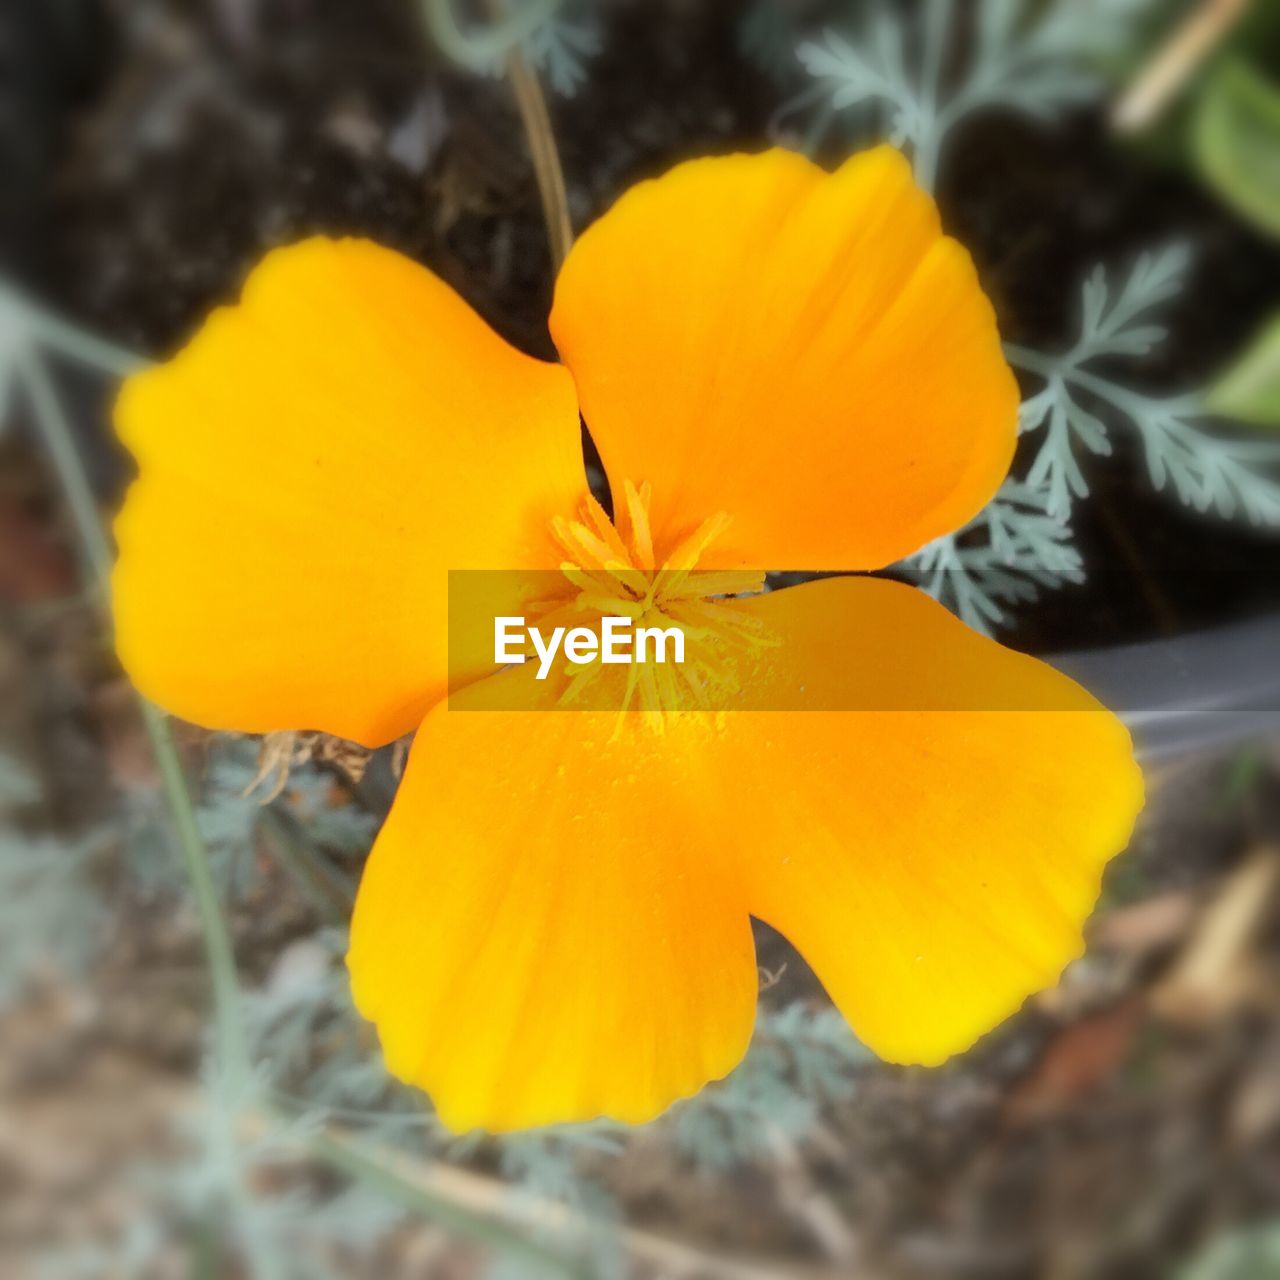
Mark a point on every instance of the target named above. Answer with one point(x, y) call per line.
point(615, 570)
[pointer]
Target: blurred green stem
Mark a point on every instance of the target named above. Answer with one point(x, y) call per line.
point(56, 433)
point(232, 1052)
point(69, 340)
point(379, 1170)
point(937, 23)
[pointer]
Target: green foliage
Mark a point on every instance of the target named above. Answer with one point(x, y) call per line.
point(53, 916)
point(1252, 1254)
point(1082, 401)
point(228, 816)
point(312, 1055)
point(313, 1051)
point(799, 1059)
point(1250, 390)
point(303, 829)
point(1115, 322)
point(557, 39)
point(18, 785)
point(13, 350)
point(1022, 542)
point(1204, 471)
point(1011, 551)
point(51, 906)
point(27, 329)
point(288, 1224)
point(895, 76)
point(1236, 140)
point(546, 1167)
point(562, 46)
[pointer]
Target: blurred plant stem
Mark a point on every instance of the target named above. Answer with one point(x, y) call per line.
point(443, 1191)
point(231, 1049)
point(234, 1064)
point(394, 1174)
point(1168, 73)
point(58, 335)
point(928, 153)
point(56, 432)
point(545, 154)
point(500, 44)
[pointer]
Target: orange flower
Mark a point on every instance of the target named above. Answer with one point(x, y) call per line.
point(781, 368)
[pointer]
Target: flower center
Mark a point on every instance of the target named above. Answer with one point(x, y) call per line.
point(614, 570)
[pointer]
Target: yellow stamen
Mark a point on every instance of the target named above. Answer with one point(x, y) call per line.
point(637, 512)
point(614, 571)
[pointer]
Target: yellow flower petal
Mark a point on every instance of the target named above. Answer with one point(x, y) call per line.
point(311, 466)
point(935, 856)
point(553, 922)
point(545, 931)
point(804, 352)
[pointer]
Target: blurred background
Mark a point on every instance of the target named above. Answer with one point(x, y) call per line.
point(1114, 165)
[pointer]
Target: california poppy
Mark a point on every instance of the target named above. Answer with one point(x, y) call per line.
point(782, 368)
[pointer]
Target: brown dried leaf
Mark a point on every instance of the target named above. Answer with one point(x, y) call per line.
point(1077, 1060)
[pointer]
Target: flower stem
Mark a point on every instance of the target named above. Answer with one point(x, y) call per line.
point(545, 154)
point(1160, 82)
point(60, 442)
point(232, 1051)
point(938, 15)
point(501, 43)
point(68, 339)
point(390, 1173)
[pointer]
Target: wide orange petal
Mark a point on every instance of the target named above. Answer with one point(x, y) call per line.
point(545, 931)
point(934, 855)
point(311, 465)
point(804, 352)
